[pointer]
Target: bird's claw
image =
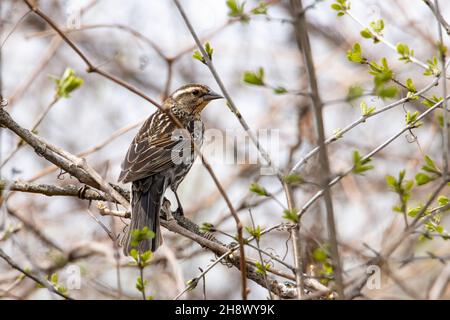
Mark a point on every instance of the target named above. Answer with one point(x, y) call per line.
point(209, 236)
point(165, 209)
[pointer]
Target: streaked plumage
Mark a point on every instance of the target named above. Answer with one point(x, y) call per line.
point(160, 156)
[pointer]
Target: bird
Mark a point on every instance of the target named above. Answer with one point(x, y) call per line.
point(160, 156)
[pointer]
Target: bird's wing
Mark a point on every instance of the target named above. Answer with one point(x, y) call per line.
point(151, 149)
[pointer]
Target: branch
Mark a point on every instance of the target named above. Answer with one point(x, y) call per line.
point(338, 178)
point(438, 15)
point(42, 282)
point(304, 45)
point(361, 120)
point(219, 81)
point(181, 226)
point(94, 176)
point(445, 144)
point(49, 190)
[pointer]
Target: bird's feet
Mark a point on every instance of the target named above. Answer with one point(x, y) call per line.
point(209, 236)
point(179, 211)
point(166, 213)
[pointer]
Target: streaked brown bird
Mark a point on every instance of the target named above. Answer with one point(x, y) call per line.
point(160, 156)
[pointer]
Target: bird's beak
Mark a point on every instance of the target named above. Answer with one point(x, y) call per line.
point(212, 96)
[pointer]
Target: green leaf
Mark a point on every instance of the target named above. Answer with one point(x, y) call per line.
point(256, 232)
point(138, 236)
point(386, 92)
point(254, 78)
point(320, 255)
point(290, 215)
point(134, 254)
point(260, 9)
point(375, 32)
point(140, 285)
point(355, 54)
point(237, 10)
point(207, 227)
point(198, 56)
point(442, 200)
point(410, 85)
point(365, 33)
point(359, 165)
point(431, 101)
point(411, 117)
point(432, 67)
point(402, 187)
point(293, 178)
point(280, 90)
point(192, 284)
point(260, 268)
point(366, 110)
point(68, 83)
point(414, 211)
point(430, 165)
point(391, 182)
point(423, 178)
point(354, 92)
point(381, 72)
point(442, 49)
point(209, 50)
point(258, 189)
point(377, 26)
point(146, 256)
point(404, 52)
point(62, 289)
point(336, 7)
point(337, 133)
point(341, 6)
point(54, 278)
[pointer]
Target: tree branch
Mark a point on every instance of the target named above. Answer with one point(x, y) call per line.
point(302, 37)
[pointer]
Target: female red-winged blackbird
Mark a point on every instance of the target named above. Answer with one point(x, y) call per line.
point(160, 156)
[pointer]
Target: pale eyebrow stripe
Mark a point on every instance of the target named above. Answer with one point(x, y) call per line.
point(180, 92)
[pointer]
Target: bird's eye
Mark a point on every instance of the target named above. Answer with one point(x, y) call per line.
point(195, 92)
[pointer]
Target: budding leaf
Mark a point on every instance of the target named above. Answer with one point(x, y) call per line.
point(366, 110)
point(293, 178)
point(423, 178)
point(254, 78)
point(432, 67)
point(280, 90)
point(341, 6)
point(260, 9)
point(361, 165)
point(140, 235)
point(290, 215)
point(237, 10)
point(355, 54)
point(354, 92)
point(256, 232)
point(68, 83)
point(258, 189)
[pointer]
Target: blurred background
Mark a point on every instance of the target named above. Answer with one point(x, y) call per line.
point(147, 44)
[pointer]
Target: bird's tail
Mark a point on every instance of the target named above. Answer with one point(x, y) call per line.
point(146, 200)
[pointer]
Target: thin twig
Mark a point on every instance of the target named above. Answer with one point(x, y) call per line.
point(445, 142)
point(302, 36)
point(220, 83)
point(33, 277)
point(438, 15)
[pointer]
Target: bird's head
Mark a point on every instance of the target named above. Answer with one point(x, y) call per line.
point(193, 98)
